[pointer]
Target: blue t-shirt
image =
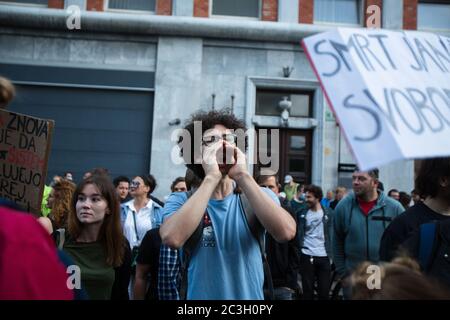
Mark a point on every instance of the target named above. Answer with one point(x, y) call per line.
point(227, 263)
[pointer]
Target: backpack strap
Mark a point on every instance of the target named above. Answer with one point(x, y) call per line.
point(257, 231)
point(255, 226)
point(426, 244)
point(61, 238)
point(135, 226)
point(186, 253)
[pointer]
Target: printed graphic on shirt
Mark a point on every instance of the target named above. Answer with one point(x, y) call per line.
point(208, 239)
point(313, 225)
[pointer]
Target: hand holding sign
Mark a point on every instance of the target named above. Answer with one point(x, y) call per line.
point(24, 150)
point(389, 90)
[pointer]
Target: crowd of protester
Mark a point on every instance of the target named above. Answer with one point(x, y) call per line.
point(223, 234)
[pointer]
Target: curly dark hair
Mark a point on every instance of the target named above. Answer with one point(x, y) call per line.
point(429, 176)
point(208, 120)
point(63, 193)
point(315, 190)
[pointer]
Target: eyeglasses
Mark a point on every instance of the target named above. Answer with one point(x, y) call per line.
point(135, 184)
point(209, 140)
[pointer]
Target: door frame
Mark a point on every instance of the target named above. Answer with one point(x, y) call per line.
point(285, 153)
point(315, 123)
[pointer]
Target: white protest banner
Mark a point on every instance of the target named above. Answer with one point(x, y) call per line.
point(446, 42)
point(390, 91)
point(24, 150)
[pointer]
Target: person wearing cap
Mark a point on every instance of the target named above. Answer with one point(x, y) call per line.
point(290, 188)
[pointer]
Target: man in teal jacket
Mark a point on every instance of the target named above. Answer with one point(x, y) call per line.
point(359, 222)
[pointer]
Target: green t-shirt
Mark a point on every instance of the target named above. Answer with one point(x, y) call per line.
point(290, 191)
point(97, 278)
point(44, 210)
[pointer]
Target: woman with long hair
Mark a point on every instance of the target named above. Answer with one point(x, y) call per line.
point(95, 240)
point(59, 202)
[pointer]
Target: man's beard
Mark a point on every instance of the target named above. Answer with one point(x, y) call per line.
point(359, 192)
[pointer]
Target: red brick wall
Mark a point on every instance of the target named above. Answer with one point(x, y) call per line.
point(56, 4)
point(164, 7)
point(410, 14)
point(95, 5)
point(368, 3)
point(269, 10)
point(306, 11)
point(201, 8)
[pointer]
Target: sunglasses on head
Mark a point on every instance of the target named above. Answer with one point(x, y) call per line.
point(135, 184)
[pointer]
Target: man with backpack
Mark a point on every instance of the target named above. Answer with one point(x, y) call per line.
point(426, 224)
point(433, 184)
point(430, 246)
point(224, 224)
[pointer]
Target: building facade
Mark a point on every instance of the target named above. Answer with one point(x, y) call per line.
point(119, 77)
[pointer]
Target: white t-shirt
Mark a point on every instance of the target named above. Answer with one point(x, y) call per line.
point(314, 242)
point(144, 222)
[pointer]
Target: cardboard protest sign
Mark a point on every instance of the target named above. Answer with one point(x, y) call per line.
point(390, 91)
point(24, 150)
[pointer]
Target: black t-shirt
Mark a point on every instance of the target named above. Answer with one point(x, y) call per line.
point(149, 255)
point(283, 258)
point(403, 227)
point(122, 276)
